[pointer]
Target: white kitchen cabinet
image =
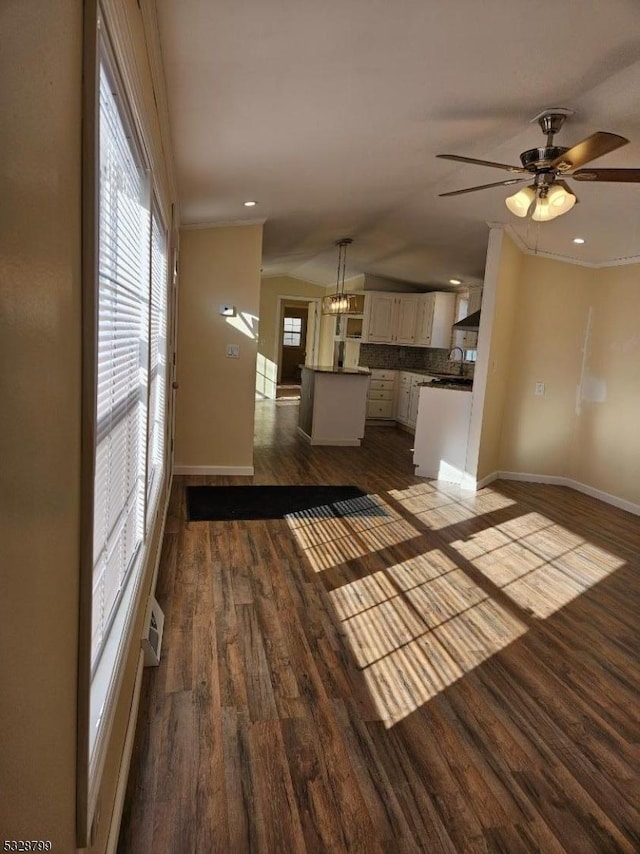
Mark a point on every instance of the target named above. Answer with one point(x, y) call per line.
point(406, 317)
point(407, 397)
point(422, 320)
point(380, 399)
point(379, 318)
point(414, 397)
point(424, 323)
point(470, 340)
point(403, 398)
point(435, 319)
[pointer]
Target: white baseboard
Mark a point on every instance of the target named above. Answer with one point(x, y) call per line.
point(348, 443)
point(342, 443)
point(528, 477)
point(125, 762)
point(214, 470)
point(485, 481)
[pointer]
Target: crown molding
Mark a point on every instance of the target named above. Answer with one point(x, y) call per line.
point(554, 256)
point(222, 223)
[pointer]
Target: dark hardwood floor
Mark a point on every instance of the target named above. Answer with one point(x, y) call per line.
point(456, 674)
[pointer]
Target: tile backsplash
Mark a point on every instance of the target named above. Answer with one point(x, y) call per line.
point(410, 358)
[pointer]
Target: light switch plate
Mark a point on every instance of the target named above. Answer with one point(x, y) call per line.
point(228, 310)
point(233, 351)
point(539, 389)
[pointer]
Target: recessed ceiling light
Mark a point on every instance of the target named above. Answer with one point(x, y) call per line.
point(455, 282)
point(249, 204)
point(578, 239)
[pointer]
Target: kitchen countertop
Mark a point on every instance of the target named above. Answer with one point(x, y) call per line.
point(449, 386)
point(440, 376)
point(329, 369)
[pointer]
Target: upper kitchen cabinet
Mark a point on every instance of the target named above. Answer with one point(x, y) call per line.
point(435, 319)
point(379, 318)
point(406, 318)
point(422, 320)
point(470, 340)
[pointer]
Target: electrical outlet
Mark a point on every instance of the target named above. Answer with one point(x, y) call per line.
point(539, 389)
point(233, 351)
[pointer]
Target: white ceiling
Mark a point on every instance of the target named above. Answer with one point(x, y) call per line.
point(330, 115)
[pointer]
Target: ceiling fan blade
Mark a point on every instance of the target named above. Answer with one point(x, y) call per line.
point(588, 149)
point(628, 176)
point(458, 158)
point(485, 187)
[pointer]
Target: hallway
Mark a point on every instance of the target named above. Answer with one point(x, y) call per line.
point(457, 673)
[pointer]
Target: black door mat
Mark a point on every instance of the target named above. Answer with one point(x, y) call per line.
point(226, 503)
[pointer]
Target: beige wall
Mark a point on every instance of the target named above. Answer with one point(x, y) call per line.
point(270, 289)
point(216, 399)
point(40, 289)
point(605, 447)
point(538, 431)
point(574, 329)
point(40, 374)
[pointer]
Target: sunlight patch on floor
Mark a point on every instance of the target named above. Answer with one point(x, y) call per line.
point(538, 563)
point(416, 628)
point(334, 540)
point(442, 506)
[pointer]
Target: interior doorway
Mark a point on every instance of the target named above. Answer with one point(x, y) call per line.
point(297, 336)
point(293, 342)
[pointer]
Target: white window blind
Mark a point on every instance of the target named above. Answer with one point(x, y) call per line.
point(157, 361)
point(122, 369)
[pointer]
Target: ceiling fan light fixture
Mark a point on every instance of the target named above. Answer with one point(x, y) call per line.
point(560, 200)
point(521, 201)
point(543, 211)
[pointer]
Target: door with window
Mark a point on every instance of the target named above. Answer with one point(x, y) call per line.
point(293, 341)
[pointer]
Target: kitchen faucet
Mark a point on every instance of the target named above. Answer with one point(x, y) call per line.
point(453, 350)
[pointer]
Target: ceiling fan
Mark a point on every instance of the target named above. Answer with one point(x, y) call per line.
point(548, 195)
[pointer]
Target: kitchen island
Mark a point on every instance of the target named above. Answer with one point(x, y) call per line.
point(333, 405)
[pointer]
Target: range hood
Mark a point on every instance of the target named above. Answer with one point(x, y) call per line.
point(470, 323)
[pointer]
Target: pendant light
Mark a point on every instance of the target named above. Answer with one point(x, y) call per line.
point(341, 302)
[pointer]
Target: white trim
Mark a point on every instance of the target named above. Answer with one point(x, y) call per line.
point(159, 87)
point(585, 488)
point(567, 259)
point(215, 470)
point(222, 223)
point(485, 334)
point(125, 762)
point(342, 443)
point(485, 481)
point(156, 567)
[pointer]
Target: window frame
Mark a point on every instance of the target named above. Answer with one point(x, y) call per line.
point(292, 332)
point(98, 49)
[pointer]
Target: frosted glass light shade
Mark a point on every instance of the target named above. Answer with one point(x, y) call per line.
point(544, 211)
point(521, 201)
point(560, 200)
